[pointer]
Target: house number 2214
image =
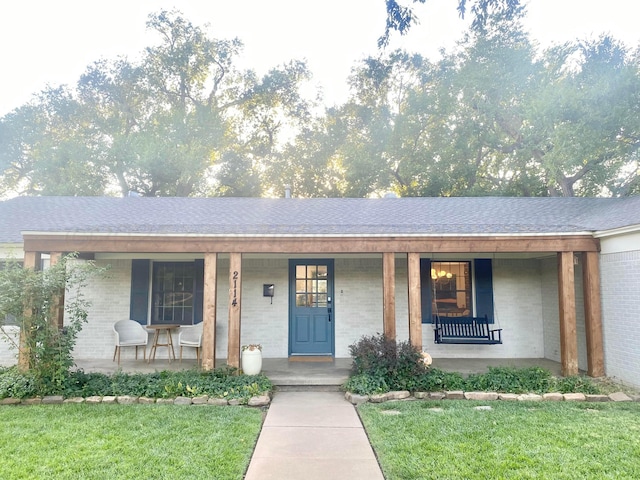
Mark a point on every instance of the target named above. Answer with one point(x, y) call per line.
point(234, 298)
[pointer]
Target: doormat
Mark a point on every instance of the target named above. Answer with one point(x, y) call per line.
point(311, 358)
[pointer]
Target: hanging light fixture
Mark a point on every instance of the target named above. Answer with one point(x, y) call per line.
point(435, 275)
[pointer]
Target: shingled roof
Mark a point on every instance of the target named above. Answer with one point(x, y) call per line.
point(319, 216)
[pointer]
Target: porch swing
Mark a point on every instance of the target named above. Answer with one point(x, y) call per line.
point(465, 330)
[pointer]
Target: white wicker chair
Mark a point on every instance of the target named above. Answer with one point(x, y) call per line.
point(130, 333)
point(191, 336)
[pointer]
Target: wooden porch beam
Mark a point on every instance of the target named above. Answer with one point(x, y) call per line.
point(235, 301)
point(593, 314)
point(389, 295)
point(209, 309)
point(415, 303)
point(32, 260)
point(368, 244)
point(567, 304)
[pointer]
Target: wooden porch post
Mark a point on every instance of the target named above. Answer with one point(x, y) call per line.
point(235, 300)
point(592, 313)
point(415, 304)
point(567, 304)
point(31, 260)
point(57, 309)
point(389, 295)
point(209, 309)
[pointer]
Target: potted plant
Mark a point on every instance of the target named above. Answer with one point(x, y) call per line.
point(252, 359)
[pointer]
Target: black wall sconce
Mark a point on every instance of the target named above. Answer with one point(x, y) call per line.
point(267, 290)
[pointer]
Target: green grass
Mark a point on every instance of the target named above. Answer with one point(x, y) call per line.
point(514, 440)
point(126, 441)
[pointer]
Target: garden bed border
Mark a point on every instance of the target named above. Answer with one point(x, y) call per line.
point(356, 399)
point(256, 401)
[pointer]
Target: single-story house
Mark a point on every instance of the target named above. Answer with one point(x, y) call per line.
point(308, 277)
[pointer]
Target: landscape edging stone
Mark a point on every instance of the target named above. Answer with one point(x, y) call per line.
point(356, 399)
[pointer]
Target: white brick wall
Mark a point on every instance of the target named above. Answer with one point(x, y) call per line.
point(9, 338)
point(262, 321)
point(358, 305)
point(620, 284)
point(109, 297)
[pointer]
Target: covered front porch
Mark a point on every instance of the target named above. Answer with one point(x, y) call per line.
point(379, 287)
point(284, 372)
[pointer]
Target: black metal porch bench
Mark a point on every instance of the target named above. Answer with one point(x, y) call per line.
point(466, 330)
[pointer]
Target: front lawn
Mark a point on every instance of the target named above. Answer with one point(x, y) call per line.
point(518, 440)
point(126, 441)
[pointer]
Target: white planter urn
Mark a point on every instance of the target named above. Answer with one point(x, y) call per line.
point(251, 359)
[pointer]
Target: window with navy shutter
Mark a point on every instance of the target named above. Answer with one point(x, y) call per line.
point(448, 288)
point(176, 291)
point(139, 302)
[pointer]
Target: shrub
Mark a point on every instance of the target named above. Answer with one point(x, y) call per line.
point(372, 355)
point(576, 384)
point(80, 384)
point(379, 361)
point(222, 383)
point(14, 384)
point(365, 384)
point(399, 368)
point(435, 380)
point(511, 380)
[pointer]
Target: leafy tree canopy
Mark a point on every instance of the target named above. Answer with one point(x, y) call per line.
point(496, 115)
point(401, 18)
point(164, 126)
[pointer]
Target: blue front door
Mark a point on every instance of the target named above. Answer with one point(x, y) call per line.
point(311, 319)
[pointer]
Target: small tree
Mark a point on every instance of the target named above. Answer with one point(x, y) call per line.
point(32, 297)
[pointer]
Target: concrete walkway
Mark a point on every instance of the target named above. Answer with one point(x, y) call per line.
point(312, 435)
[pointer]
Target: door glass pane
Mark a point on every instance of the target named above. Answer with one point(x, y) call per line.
point(311, 280)
point(322, 300)
point(301, 271)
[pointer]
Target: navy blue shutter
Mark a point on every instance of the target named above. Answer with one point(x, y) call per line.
point(139, 303)
point(484, 288)
point(425, 289)
point(199, 293)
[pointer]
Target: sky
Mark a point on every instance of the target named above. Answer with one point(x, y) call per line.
point(45, 42)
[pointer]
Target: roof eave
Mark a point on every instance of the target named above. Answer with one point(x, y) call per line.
point(307, 235)
point(617, 231)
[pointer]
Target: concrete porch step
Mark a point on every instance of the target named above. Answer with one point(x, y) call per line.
point(286, 373)
point(307, 388)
